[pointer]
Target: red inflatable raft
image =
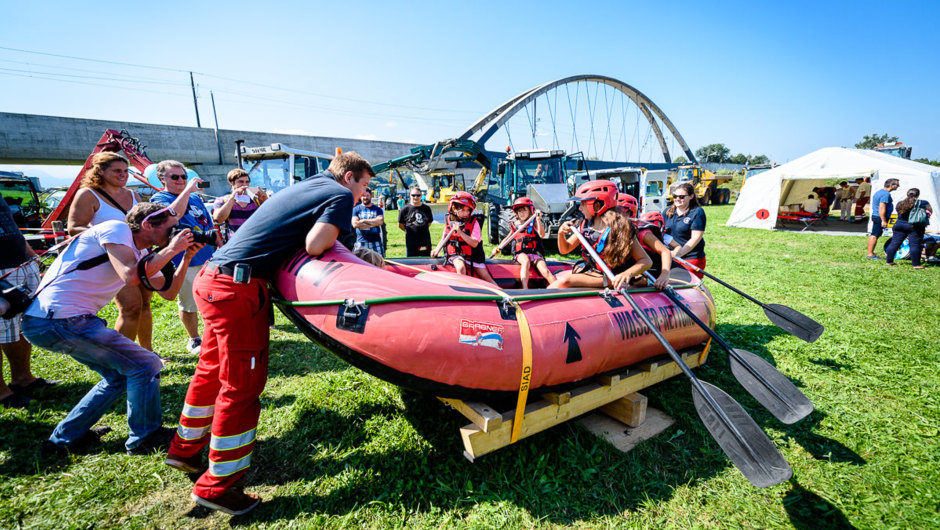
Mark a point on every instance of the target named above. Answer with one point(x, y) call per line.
point(419, 325)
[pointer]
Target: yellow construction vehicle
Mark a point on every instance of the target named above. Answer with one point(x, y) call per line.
point(442, 185)
point(704, 182)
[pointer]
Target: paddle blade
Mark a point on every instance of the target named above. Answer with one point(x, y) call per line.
point(749, 449)
point(768, 386)
point(793, 322)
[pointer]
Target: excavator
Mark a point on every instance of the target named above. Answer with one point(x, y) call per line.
point(704, 182)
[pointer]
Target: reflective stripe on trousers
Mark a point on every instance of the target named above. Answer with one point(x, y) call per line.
point(192, 433)
point(223, 469)
point(191, 411)
point(226, 443)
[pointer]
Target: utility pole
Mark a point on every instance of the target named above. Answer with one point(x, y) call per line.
point(193, 85)
point(216, 116)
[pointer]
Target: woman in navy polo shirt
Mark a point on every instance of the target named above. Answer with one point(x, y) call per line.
point(685, 222)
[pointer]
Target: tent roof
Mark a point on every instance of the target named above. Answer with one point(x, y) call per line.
point(840, 162)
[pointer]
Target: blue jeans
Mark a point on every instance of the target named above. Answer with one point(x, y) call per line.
point(122, 365)
point(914, 236)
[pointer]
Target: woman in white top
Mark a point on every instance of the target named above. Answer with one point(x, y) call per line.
point(103, 197)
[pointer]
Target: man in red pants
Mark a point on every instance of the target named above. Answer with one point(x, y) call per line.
point(222, 405)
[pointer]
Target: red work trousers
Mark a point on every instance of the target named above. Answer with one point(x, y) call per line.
point(222, 404)
point(860, 207)
point(698, 262)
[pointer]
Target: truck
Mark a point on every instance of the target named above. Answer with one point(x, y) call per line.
point(894, 149)
point(704, 182)
point(545, 176)
point(275, 167)
point(649, 187)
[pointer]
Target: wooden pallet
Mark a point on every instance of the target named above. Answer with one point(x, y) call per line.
point(615, 395)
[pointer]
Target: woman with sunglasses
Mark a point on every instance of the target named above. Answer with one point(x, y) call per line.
point(415, 220)
point(104, 197)
point(685, 222)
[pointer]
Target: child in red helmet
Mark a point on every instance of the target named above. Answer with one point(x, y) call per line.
point(611, 234)
point(464, 247)
point(628, 204)
point(527, 243)
point(649, 233)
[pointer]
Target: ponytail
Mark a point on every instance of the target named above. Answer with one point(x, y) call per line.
point(906, 205)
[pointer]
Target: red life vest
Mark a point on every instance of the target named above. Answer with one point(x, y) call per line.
point(455, 245)
point(654, 256)
point(526, 241)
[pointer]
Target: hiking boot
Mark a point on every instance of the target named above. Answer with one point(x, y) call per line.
point(153, 442)
point(194, 346)
point(192, 464)
point(83, 443)
point(233, 501)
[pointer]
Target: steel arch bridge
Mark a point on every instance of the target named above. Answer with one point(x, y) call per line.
point(658, 125)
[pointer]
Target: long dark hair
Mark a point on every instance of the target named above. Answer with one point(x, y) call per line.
point(690, 191)
point(907, 204)
point(620, 242)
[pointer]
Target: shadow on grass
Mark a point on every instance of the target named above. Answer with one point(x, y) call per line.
point(832, 364)
point(809, 511)
point(820, 447)
point(561, 475)
point(23, 437)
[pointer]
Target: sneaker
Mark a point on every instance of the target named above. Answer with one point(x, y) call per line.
point(191, 464)
point(233, 501)
point(88, 440)
point(194, 346)
point(153, 442)
point(873, 257)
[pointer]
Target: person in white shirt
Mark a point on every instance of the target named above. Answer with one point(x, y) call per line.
point(63, 318)
point(811, 204)
point(862, 196)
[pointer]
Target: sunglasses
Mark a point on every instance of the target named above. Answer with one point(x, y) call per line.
point(680, 196)
point(158, 212)
point(176, 177)
point(416, 195)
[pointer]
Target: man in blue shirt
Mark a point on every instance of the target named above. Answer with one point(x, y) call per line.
point(881, 207)
point(191, 213)
point(368, 220)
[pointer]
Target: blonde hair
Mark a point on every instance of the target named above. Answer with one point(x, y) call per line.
point(102, 161)
point(235, 174)
point(370, 256)
point(350, 161)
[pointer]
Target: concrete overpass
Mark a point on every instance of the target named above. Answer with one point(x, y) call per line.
point(37, 139)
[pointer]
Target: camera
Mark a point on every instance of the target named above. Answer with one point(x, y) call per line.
point(14, 299)
point(206, 238)
point(203, 185)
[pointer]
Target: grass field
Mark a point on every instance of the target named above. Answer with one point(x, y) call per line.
point(339, 448)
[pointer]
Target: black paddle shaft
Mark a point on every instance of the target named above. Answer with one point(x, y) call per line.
point(782, 399)
point(755, 455)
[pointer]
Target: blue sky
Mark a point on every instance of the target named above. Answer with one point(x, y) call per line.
point(780, 79)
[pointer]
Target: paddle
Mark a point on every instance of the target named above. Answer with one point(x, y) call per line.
point(768, 386)
point(749, 449)
point(786, 318)
point(437, 249)
point(508, 238)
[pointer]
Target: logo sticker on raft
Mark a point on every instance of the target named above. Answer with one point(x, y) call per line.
point(481, 334)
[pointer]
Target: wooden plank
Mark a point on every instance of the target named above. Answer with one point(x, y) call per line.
point(541, 415)
point(557, 399)
point(480, 414)
point(629, 410)
point(624, 438)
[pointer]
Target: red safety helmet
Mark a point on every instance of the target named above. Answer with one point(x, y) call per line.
point(628, 203)
point(599, 190)
point(654, 218)
point(523, 202)
point(463, 198)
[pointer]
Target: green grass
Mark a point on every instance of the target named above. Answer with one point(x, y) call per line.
point(339, 448)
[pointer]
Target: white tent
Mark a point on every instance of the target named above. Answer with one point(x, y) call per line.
point(764, 194)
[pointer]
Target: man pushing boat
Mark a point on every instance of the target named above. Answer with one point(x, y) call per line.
point(222, 404)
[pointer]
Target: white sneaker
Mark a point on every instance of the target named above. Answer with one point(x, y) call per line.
point(194, 346)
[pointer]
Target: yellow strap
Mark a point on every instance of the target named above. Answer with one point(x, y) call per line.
point(525, 335)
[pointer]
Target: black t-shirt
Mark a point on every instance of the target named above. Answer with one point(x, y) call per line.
point(12, 243)
point(417, 220)
point(680, 228)
point(278, 227)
